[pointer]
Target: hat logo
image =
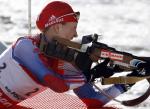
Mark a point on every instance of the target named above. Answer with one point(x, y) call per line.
point(52, 18)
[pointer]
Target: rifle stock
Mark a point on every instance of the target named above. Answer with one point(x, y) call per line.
point(99, 51)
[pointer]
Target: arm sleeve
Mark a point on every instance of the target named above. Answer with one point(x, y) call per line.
point(24, 53)
point(93, 98)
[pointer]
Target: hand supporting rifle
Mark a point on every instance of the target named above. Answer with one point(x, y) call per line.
point(84, 62)
point(143, 70)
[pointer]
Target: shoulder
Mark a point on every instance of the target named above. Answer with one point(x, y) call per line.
point(27, 40)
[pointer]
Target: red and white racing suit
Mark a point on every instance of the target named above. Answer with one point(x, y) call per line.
point(25, 72)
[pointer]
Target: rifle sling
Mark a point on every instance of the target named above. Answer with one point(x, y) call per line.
point(68, 43)
point(122, 80)
point(129, 80)
point(138, 100)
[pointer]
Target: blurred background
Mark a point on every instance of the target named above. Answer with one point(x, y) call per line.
point(123, 24)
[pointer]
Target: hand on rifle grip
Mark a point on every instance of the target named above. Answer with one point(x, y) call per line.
point(101, 70)
point(117, 69)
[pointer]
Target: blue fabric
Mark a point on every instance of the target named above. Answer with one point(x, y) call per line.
point(87, 91)
point(24, 54)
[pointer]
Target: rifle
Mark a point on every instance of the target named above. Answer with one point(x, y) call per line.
point(124, 60)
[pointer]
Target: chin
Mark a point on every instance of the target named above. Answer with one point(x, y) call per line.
point(71, 38)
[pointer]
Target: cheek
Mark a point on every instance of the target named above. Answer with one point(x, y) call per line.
point(67, 32)
point(71, 31)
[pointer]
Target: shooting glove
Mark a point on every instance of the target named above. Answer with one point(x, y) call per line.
point(100, 70)
point(143, 68)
